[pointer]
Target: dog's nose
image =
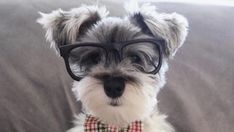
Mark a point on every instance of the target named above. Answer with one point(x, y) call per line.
point(114, 86)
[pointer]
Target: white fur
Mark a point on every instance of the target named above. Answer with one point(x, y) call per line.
point(137, 103)
point(46, 21)
point(91, 93)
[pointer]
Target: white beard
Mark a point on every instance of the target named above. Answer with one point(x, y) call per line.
point(138, 102)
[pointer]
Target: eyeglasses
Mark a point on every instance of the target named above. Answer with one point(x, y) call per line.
point(143, 55)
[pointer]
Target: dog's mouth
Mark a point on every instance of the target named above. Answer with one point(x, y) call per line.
point(115, 102)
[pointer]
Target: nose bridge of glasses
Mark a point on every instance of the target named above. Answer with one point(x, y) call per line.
point(113, 54)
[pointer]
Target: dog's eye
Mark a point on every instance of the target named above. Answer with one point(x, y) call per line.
point(143, 56)
point(141, 61)
point(135, 58)
point(82, 59)
point(91, 59)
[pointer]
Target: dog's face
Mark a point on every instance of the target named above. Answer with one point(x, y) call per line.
point(120, 63)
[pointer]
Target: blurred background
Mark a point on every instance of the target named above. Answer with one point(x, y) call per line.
point(35, 89)
point(210, 2)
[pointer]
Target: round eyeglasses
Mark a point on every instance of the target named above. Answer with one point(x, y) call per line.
point(143, 55)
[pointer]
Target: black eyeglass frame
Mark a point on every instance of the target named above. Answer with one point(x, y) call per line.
point(66, 49)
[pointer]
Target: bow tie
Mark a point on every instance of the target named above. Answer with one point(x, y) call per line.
point(93, 124)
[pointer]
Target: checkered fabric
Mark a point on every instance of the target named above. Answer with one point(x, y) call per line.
point(93, 124)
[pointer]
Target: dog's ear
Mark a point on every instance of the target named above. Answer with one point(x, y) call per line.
point(172, 28)
point(65, 27)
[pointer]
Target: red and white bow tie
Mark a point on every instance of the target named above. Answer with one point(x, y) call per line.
point(93, 124)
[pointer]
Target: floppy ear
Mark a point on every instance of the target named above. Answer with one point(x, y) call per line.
point(65, 27)
point(170, 27)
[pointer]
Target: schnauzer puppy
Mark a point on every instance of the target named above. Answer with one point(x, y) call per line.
point(118, 64)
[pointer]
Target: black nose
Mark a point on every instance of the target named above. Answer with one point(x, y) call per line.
point(114, 86)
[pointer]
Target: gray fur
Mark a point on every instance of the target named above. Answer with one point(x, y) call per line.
point(65, 27)
point(170, 27)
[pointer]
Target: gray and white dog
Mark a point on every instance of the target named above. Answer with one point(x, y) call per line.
point(118, 64)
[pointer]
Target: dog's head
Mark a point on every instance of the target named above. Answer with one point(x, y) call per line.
point(118, 63)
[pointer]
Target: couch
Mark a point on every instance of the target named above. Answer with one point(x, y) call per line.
point(35, 89)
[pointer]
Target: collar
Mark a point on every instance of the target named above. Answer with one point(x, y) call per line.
point(93, 124)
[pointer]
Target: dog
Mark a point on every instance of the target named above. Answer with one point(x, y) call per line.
point(118, 64)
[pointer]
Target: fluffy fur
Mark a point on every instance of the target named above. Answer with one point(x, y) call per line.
point(91, 24)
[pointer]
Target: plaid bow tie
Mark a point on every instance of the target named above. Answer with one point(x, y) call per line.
point(93, 124)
